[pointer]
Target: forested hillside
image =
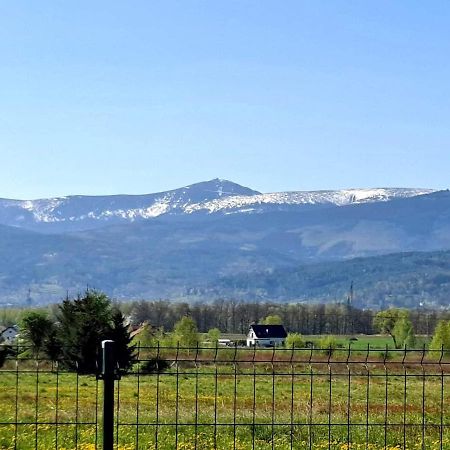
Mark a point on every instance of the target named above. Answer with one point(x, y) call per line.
point(405, 279)
point(300, 246)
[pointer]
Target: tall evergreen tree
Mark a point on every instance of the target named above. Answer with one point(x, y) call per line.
point(83, 324)
point(36, 328)
point(119, 333)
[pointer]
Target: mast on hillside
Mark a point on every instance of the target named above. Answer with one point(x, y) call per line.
point(350, 295)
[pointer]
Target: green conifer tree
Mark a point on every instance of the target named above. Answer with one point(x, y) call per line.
point(83, 324)
point(120, 334)
point(36, 328)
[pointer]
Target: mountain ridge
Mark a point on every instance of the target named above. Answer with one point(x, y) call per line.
point(199, 256)
point(217, 196)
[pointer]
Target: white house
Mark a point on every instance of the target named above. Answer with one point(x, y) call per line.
point(9, 334)
point(266, 335)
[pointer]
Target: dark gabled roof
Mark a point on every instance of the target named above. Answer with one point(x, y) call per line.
point(269, 331)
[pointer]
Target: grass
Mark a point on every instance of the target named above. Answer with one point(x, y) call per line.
point(358, 342)
point(361, 341)
point(275, 401)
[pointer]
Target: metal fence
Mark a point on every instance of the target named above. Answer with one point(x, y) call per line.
point(230, 398)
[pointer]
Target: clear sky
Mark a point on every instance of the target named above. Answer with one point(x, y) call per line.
point(102, 97)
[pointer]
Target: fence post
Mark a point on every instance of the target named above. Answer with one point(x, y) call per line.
point(108, 377)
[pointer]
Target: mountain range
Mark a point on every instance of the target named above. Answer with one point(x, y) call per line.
point(201, 241)
point(73, 213)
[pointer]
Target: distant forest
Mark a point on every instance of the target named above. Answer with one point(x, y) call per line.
point(405, 280)
point(235, 317)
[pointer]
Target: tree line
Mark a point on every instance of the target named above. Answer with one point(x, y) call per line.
point(231, 316)
point(72, 331)
point(72, 335)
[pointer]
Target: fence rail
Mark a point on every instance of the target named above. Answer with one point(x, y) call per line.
point(230, 398)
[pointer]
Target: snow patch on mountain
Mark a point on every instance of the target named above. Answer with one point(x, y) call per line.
point(336, 198)
point(210, 197)
point(43, 210)
point(160, 207)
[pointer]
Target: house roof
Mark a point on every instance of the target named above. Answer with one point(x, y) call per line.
point(269, 331)
point(12, 328)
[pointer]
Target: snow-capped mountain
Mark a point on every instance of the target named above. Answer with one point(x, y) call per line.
point(259, 202)
point(85, 212)
point(207, 233)
point(217, 196)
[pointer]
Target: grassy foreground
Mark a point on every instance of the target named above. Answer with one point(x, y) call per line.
point(271, 402)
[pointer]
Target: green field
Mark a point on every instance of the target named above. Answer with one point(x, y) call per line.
point(357, 341)
point(361, 341)
point(275, 400)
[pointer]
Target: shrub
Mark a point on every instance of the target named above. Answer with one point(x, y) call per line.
point(153, 365)
point(5, 351)
point(294, 340)
point(328, 345)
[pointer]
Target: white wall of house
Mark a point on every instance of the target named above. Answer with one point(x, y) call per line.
point(259, 342)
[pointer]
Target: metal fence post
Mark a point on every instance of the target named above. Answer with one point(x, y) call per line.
point(108, 376)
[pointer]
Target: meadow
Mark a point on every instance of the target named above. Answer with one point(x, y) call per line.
point(235, 399)
point(363, 341)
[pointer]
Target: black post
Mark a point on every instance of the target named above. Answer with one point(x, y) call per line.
point(108, 376)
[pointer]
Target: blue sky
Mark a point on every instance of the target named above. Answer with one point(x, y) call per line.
point(133, 97)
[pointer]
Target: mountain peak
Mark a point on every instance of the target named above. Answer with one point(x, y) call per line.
point(208, 197)
point(222, 188)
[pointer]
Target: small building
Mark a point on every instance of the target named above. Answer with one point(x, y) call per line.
point(266, 335)
point(9, 334)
